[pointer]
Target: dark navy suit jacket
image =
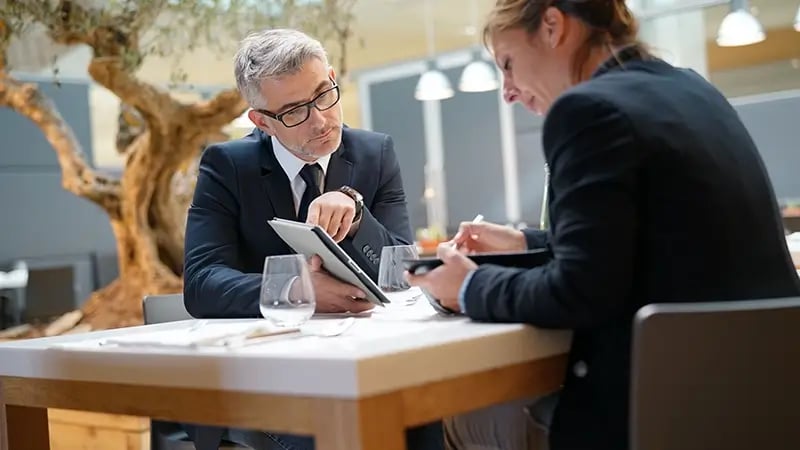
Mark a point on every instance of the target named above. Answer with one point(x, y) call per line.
point(658, 194)
point(241, 186)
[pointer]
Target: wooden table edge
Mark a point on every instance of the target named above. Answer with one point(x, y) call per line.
point(353, 424)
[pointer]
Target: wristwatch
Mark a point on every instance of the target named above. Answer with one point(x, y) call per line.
point(357, 198)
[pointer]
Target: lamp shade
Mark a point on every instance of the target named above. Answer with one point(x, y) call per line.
point(739, 28)
point(797, 20)
point(478, 76)
point(433, 85)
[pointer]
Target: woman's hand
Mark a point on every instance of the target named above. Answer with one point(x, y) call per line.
point(488, 237)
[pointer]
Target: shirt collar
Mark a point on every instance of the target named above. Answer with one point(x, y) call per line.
point(290, 163)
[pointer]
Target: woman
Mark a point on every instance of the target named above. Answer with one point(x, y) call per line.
point(657, 194)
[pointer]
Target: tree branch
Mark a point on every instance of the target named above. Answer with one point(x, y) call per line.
point(220, 110)
point(110, 72)
point(145, 14)
point(5, 38)
point(114, 39)
point(77, 175)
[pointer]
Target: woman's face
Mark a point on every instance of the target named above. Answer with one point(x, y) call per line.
point(535, 66)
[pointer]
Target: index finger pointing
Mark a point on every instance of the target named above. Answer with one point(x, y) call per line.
point(313, 214)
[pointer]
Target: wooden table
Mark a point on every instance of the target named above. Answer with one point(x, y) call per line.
point(359, 391)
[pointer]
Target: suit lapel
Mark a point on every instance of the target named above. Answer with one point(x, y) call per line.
point(276, 185)
point(340, 168)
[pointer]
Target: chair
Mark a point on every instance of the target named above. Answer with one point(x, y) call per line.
point(164, 308)
point(171, 435)
point(15, 280)
point(721, 375)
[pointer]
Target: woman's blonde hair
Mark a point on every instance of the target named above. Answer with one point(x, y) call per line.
point(610, 22)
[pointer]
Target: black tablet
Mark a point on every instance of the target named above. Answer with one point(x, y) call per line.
point(523, 260)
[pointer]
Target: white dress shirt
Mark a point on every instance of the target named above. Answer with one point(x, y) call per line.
point(292, 165)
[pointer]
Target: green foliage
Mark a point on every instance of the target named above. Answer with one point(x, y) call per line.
point(136, 29)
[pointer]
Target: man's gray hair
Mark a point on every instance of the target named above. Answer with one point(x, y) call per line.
point(269, 54)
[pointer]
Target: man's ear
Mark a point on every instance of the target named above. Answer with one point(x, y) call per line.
point(332, 73)
point(261, 122)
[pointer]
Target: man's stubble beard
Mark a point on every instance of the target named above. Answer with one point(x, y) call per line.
point(303, 152)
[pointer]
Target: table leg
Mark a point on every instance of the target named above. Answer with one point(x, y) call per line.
point(370, 424)
point(26, 428)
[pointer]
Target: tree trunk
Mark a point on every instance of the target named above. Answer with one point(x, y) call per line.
point(151, 229)
point(120, 303)
point(147, 215)
point(147, 206)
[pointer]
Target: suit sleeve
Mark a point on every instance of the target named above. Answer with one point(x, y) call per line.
point(385, 221)
point(213, 284)
point(535, 238)
point(591, 149)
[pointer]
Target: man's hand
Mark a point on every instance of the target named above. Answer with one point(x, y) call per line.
point(333, 212)
point(444, 282)
point(488, 237)
point(333, 295)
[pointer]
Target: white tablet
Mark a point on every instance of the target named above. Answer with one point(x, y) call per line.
point(311, 240)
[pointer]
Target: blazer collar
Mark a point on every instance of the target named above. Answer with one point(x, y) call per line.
point(340, 167)
point(277, 186)
point(624, 55)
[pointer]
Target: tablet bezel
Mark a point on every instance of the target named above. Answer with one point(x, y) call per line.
point(363, 281)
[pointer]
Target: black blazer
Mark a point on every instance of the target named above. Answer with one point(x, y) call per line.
point(658, 194)
point(241, 186)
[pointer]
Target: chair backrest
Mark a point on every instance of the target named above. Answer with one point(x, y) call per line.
point(164, 308)
point(721, 375)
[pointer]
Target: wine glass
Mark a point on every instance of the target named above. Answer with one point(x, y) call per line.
point(287, 294)
point(391, 272)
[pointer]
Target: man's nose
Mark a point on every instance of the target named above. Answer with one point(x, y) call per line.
point(316, 117)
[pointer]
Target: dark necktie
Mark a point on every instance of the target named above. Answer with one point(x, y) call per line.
point(312, 175)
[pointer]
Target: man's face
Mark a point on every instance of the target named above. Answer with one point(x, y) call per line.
point(318, 135)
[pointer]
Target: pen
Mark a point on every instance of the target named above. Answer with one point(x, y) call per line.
point(477, 219)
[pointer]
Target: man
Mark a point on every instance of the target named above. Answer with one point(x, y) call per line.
point(300, 164)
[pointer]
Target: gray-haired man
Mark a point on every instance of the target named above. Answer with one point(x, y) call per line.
point(299, 163)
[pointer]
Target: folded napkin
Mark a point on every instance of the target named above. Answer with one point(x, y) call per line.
point(203, 334)
point(404, 297)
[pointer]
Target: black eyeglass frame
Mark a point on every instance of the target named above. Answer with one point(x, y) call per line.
point(307, 105)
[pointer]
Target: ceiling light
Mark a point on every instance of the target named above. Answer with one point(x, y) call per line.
point(433, 85)
point(739, 28)
point(797, 20)
point(478, 76)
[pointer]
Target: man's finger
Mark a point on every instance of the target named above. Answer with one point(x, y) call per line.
point(324, 218)
point(354, 292)
point(316, 263)
point(340, 234)
point(335, 223)
point(346, 224)
point(349, 303)
point(357, 306)
point(313, 214)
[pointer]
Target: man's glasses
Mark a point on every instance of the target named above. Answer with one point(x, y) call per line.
point(326, 99)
